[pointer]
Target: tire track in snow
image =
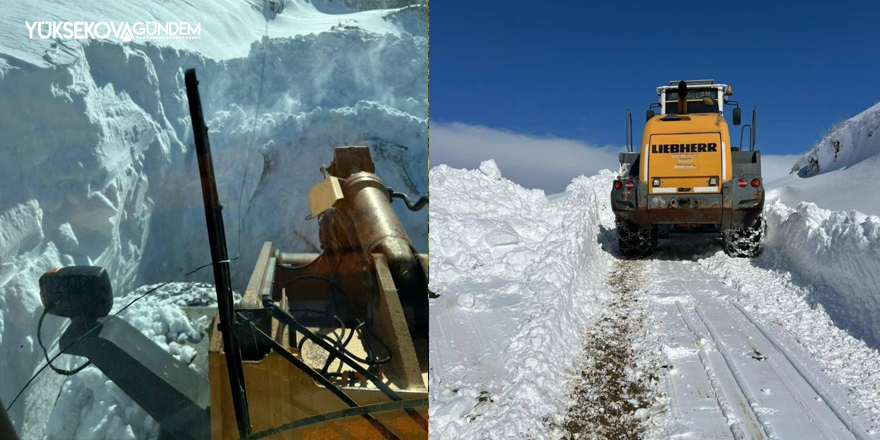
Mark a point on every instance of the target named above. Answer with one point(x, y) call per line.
point(717, 390)
point(612, 394)
point(741, 381)
point(857, 430)
point(744, 358)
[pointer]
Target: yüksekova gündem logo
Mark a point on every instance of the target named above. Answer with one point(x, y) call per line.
point(141, 30)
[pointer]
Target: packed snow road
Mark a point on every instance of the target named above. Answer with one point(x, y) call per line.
point(534, 306)
point(731, 375)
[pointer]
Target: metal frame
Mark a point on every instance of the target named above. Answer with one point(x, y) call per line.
point(693, 85)
point(219, 256)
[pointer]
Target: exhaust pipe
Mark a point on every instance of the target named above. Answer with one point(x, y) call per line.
point(682, 98)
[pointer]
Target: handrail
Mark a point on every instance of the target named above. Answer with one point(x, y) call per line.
point(741, 131)
point(629, 137)
point(754, 129)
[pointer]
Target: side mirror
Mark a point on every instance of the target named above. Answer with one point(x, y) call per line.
point(737, 116)
point(77, 292)
point(649, 115)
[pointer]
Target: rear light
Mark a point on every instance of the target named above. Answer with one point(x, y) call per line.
point(655, 182)
point(756, 183)
point(742, 183)
point(713, 181)
point(630, 185)
point(618, 185)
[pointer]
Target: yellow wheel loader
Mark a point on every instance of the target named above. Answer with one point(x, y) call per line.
point(688, 173)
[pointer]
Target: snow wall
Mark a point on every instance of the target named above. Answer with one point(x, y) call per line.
point(826, 225)
point(533, 270)
point(99, 166)
point(839, 253)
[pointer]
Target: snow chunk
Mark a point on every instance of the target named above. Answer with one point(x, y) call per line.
point(466, 300)
point(490, 168)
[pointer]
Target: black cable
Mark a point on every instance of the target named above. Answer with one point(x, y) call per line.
point(321, 312)
point(387, 348)
point(417, 206)
point(372, 361)
point(46, 352)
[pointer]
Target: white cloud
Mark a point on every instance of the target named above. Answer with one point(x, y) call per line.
point(775, 166)
point(547, 163)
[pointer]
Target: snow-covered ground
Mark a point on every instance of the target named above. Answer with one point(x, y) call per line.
point(98, 160)
point(837, 172)
point(527, 287)
point(518, 278)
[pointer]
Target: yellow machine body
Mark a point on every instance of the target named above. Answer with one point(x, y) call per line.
point(685, 154)
point(367, 262)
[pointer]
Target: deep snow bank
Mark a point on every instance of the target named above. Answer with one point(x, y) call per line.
point(838, 250)
point(227, 27)
point(848, 143)
point(99, 168)
point(515, 274)
point(832, 239)
point(835, 170)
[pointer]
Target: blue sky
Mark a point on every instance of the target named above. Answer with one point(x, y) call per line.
point(568, 69)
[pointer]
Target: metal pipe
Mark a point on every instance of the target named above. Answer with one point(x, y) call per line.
point(379, 231)
point(629, 138)
point(682, 98)
point(219, 256)
point(741, 132)
point(754, 129)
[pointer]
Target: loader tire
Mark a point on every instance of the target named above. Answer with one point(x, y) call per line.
point(635, 242)
point(745, 242)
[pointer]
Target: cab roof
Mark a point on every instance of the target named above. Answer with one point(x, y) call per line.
point(693, 84)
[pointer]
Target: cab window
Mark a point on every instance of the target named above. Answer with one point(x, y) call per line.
point(695, 102)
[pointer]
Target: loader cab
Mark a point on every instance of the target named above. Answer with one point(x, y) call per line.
point(703, 96)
